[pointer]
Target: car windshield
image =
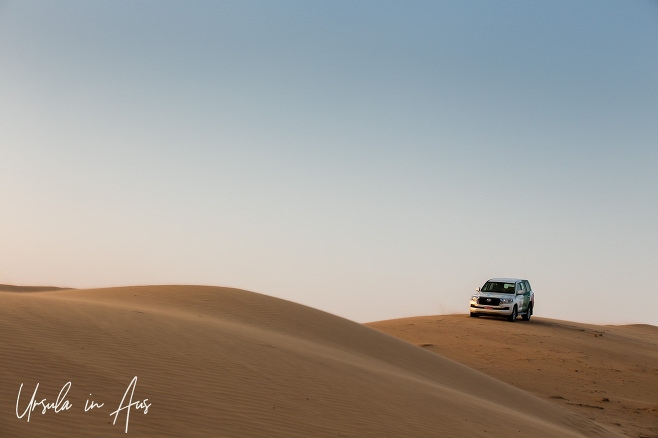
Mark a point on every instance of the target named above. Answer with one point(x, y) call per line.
point(499, 287)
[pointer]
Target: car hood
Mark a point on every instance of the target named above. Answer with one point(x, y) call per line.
point(494, 295)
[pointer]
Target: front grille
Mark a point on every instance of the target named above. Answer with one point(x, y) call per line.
point(488, 301)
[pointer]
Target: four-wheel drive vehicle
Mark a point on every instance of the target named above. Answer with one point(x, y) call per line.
point(508, 297)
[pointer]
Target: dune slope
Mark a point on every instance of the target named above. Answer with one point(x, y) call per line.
point(605, 373)
point(231, 363)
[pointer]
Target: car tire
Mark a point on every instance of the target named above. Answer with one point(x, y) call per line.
point(474, 315)
point(527, 316)
point(512, 317)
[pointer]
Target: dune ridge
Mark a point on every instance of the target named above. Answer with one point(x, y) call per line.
point(605, 373)
point(232, 363)
point(13, 288)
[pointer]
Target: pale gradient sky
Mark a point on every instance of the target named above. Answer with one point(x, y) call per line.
point(373, 159)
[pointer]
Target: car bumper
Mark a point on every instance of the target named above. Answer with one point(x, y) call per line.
point(491, 310)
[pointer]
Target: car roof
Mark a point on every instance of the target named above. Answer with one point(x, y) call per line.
point(506, 280)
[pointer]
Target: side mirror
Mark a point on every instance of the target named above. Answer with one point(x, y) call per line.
point(477, 290)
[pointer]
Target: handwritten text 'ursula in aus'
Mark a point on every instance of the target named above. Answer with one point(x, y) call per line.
point(62, 404)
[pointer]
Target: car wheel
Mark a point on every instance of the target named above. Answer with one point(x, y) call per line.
point(512, 317)
point(474, 315)
point(527, 316)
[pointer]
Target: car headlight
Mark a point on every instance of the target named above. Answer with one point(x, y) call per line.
point(474, 298)
point(506, 300)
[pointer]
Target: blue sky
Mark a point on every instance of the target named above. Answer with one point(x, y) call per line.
point(374, 159)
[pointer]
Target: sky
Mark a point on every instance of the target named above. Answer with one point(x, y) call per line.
point(373, 159)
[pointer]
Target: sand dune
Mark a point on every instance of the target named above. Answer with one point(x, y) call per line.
point(219, 362)
point(12, 288)
point(606, 373)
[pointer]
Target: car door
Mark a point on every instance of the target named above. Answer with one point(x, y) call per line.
point(526, 296)
point(523, 296)
point(528, 292)
point(518, 299)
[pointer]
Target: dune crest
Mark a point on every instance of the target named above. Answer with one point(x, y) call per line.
point(226, 362)
point(607, 373)
point(12, 288)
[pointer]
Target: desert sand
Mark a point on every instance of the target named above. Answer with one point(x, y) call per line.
point(605, 373)
point(221, 362)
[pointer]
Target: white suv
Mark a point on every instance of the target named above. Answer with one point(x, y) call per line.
point(508, 297)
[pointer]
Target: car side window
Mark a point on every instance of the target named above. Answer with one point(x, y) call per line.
point(519, 287)
point(527, 285)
